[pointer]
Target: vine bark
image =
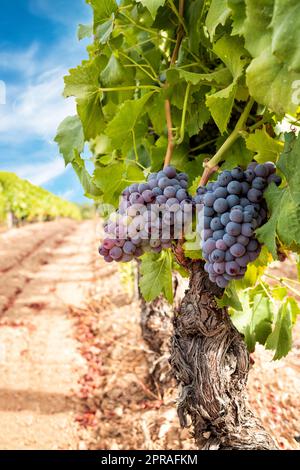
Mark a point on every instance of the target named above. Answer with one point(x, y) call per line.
point(211, 364)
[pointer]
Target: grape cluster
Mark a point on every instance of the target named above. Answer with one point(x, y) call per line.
point(233, 207)
point(149, 217)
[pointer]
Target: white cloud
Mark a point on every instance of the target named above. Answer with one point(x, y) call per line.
point(41, 173)
point(20, 61)
point(37, 109)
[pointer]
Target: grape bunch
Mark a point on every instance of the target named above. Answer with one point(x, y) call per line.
point(233, 207)
point(149, 217)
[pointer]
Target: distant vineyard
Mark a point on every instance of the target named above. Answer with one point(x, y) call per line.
point(26, 202)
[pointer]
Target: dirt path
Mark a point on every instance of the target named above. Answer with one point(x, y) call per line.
point(44, 269)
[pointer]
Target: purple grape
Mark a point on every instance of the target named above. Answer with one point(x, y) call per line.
point(183, 184)
point(157, 191)
point(232, 200)
point(271, 167)
point(245, 187)
point(218, 235)
point(220, 205)
point(247, 230)
point(254, 195)
point(170, 171)
point(161, 200)
point(170, 191)
point(209, 211)
point(236, 215)
point(261, 170)
point(182, 176)
point(221, 282)
point(209, 199)
point(207, 233)
point(181, 195)
point(163, 183)
point(242, 261)
point(217, 256)
point(232, 268)
point(237, 174)
point(275, 179)
point(213, 277)
point(108, 259)
point(225, 218)
point(129, 248)
point(233, 229)
point(234, 187)
point(115, 253)
point(207, 221)
point(133, 188)
point(249, 175)
point(221, 245)
point(219, 268)
point(143, 187)
point(252, 245)
point(209, 246)
point(247, 217)
point(136, 198)
point(259, 183)
point(221, 192)
point(216, 224)
point(237, 250)
point(229, 240)
point(242, 240)
point(244, 202)
point(224, 178)
point(228, 256)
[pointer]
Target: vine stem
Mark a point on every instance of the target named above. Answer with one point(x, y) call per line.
point(170, 147)
point(212, 164)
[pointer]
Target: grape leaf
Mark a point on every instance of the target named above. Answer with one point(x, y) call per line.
point(286, 32)
point(152, 5)
point(221, 77)
point(70, 137)
point(84, 177)
point(103, 10)
point(113, 73)
point(266, 148)
point(284, 203)
point(253, 321)
point(217, 14)
point(84, 31)
point(104, 30)
point(83, 81)
point(122, 125)
point(238, 14)
point(280, 340)
point(156, 276)
point(220, 105)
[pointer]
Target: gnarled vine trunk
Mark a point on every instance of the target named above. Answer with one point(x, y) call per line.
point(211, 363)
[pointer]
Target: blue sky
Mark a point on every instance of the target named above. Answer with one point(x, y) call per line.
point(38, 44)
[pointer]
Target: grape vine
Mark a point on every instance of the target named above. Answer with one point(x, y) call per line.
point(207, 89)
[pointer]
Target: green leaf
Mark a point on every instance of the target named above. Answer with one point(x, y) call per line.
point(220, 105)
point(84, 177)
point(114, 72)
point(217, 14)
point(238, 14)
point(83, 81)
point(156, 276)
point(232, 53)
point(122, 125)
point(266, 148)
point(230, 298)
point(103, 10)
point(286, 32)
point(254, 320)
point(220, 77)
point(152, 5)
point(104, 30)
point(70, 137)
point(84, 31)
point(272, 84)
point(280, 340)
point(284, 203)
